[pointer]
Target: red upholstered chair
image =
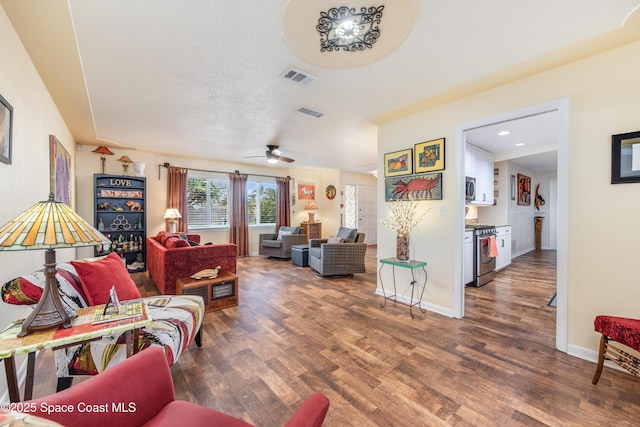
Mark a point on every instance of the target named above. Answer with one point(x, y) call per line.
point(139, 391)
point(616, 330)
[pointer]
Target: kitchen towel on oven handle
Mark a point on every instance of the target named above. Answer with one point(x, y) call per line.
point(493, 247)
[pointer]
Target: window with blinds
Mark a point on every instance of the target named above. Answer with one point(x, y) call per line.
point(208, 200)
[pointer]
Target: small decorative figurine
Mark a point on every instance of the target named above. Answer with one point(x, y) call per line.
point(209, 273)
point(134, 206)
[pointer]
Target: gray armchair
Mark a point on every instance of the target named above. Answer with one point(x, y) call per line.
point(338, 259)
point(278, 245)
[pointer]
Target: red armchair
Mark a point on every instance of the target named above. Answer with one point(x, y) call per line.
point(139, 391)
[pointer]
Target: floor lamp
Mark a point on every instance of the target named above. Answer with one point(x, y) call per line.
point(48, 226)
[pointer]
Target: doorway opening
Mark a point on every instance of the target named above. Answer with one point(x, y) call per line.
point(562, 108)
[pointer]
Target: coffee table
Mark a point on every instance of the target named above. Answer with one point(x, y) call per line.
point(218, 292)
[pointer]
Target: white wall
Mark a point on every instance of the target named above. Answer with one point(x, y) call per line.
point(598, 282)
point(88, 164)
point(26, 180)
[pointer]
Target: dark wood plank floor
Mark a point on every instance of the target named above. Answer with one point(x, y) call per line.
point(295, 333)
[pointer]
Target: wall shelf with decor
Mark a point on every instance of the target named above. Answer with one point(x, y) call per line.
point(119, 214)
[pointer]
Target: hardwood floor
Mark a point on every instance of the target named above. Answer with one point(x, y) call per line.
point(295, 333)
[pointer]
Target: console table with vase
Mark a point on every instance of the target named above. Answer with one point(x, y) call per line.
point(412, 265)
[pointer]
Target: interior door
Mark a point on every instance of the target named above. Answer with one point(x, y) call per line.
point(367, 207)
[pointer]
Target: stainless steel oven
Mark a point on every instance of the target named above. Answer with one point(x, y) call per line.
point(484, 264)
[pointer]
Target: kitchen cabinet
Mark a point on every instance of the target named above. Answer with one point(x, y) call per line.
point(479, 165)
point(503, 241)
point(467, 257)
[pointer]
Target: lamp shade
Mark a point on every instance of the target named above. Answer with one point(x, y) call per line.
point(125, 159)
point(102, 150)
point(48, 225)
point(172, 213)
point(311, 206)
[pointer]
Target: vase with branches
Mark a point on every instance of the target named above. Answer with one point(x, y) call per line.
point(403, 217)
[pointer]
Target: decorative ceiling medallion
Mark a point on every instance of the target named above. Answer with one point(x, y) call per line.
point(344, 28)
point(350, 46)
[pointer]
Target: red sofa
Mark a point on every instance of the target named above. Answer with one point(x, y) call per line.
point(170, 258)
point(139, 391)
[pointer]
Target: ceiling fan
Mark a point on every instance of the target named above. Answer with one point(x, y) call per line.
point(274, 154)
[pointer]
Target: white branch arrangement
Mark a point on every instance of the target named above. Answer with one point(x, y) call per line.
point(403, 216)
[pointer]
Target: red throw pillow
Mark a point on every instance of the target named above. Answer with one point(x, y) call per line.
point(162, 237)
point(176, 242)
point(98, 277)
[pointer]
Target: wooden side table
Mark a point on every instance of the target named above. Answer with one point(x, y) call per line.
point(82, 330)
point(313, 230)
point(218, 293)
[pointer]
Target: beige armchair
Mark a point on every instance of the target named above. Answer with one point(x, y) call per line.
point(338, 259)
point(278, 245)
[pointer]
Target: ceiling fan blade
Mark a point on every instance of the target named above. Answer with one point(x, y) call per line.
point(251, 157)
point(286, 159)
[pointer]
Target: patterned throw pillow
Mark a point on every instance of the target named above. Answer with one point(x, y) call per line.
point(284, 233)
point(27, 289)
point(335, 239)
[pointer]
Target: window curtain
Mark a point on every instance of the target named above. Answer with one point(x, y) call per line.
point(239, 231)
point(177, 196)
point(283, 200)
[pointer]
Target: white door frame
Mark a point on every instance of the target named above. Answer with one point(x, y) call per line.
point(562, 107)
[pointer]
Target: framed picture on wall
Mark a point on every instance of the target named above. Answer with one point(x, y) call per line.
point(524, 190)
point(429, 156)
point(6, 128)
point(398, 163)
point(625, 158)
point(59, 171)
point(306, 191)
point(426, 186)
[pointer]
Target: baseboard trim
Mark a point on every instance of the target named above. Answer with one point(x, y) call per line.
point(591, 356)
point(424, 305)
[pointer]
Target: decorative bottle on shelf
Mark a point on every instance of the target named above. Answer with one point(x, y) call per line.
point(107, 246)
point(100, 225)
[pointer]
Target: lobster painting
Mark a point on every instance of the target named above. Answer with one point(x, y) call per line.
point(415, 187)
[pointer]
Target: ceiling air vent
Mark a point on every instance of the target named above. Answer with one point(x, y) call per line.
point(297, 76)
point(309, 112)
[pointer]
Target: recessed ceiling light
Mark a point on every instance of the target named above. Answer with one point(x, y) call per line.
point(520, 144)
point(504, 132)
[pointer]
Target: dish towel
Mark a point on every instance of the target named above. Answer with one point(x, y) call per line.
point(493, 247)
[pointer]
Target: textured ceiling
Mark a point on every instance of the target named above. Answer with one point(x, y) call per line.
point(202, 79)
